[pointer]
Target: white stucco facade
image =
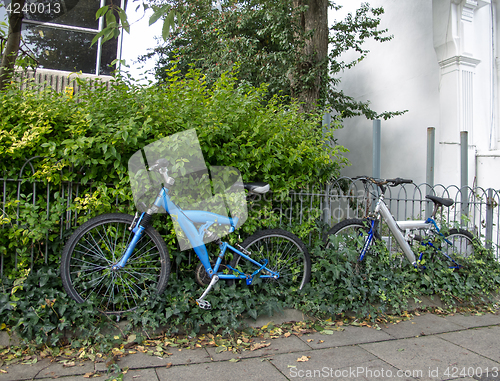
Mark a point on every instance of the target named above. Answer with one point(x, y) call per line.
point(442, 66)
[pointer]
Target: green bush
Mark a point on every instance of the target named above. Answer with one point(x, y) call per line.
point(90, 137)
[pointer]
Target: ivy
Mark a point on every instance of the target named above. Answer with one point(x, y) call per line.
point(38, 309)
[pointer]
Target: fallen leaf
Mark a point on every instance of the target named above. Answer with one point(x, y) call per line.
point(116, 352)
point(259, 346)
point(88, 375)
point(234, 360)
point(288, 334)
point(169, 365)
point(221, 349)
point(303, 358)
point(69, 364)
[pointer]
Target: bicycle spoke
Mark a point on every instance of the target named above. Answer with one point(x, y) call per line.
point(98, 254)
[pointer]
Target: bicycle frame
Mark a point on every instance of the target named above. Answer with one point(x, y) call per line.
point(397, 228)
point(186, 220)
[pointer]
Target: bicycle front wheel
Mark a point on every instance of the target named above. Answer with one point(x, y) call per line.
point(348, 238)
point(92, 251)
point(286, 254)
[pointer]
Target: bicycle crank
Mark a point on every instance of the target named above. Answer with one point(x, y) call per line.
point(202, 303)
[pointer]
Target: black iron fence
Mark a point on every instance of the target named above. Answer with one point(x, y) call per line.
point(476, 209)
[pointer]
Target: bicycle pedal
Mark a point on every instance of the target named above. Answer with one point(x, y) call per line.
point(203, 304)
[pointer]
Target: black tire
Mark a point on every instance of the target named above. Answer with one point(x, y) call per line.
point(347, 238)
point(286, 254)
point(459, 249)
point(92, 250)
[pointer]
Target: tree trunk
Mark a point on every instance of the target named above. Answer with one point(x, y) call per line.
point(12, 46)
point(312, 56)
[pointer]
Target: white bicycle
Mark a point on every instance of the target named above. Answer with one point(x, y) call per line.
point(359, 234)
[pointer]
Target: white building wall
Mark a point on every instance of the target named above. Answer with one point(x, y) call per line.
point(440, 66)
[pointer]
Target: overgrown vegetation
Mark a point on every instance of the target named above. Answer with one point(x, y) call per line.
point(89, 139)
point(39, 311)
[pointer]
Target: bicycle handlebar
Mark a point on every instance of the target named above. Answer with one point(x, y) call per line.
point(380, 182)
point(160, 163)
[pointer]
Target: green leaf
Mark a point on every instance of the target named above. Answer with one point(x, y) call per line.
point(124, 21)
point(159, 12)
point(168, 24)
point(101, 11)
point(97, 36)
point(110, 19)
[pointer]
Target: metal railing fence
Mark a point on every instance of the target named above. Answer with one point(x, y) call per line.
point(474, 209)
point(329, 203)
point(37, 209)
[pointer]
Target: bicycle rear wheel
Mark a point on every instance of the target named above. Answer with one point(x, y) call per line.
point(95, 247)
point(458, 244)
point(348, 238)
point(286, 254)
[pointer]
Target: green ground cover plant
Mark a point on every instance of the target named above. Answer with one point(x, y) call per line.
point(40, 312)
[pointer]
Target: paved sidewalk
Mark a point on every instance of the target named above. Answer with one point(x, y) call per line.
point(428, 347)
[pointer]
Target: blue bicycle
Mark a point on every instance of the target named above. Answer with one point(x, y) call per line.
point(117, 260)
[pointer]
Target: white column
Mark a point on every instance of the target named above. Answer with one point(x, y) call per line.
point(454, 44)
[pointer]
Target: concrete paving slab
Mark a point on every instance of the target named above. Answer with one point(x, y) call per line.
point(345, 363)
point(56, 369)
point(186, 356)
point(487, 378)
point(44, 369)
point(22, 371)
point(281, 345)
point(287, 315)
point(473, 321)
point(72, 378)
point(349, 336)
point(248, 370)
point(426, 324)
point(434, 357)
point(484, 341)
point(148, 374)
point(141, 375)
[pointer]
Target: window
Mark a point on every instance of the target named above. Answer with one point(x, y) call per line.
point(59, 34)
